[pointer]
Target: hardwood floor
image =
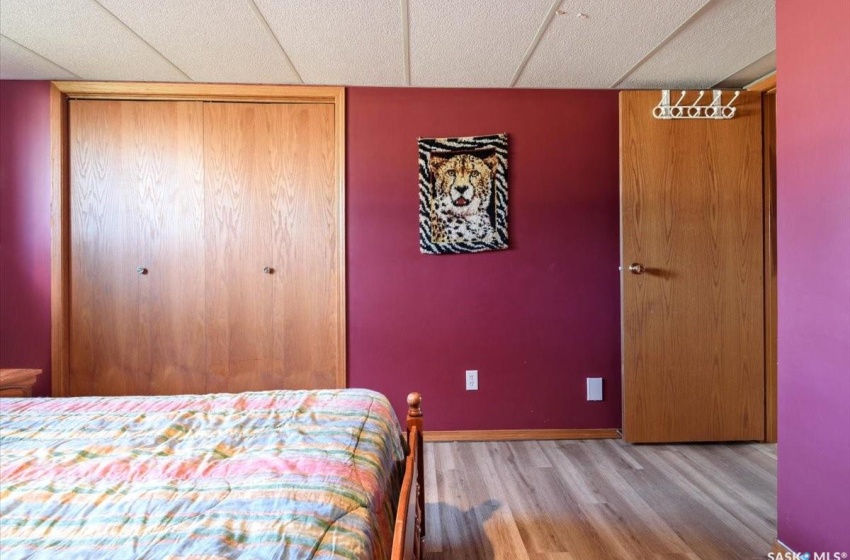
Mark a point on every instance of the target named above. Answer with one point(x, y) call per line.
point(589, 499)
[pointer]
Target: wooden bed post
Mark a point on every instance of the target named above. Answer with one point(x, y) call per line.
point(414, 420)
point(410, 515)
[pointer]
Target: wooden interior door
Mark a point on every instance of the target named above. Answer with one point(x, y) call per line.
point(137, 291)
point(693, 320)
point(272, 259)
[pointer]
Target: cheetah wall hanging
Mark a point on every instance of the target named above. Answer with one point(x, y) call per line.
point(463, 194)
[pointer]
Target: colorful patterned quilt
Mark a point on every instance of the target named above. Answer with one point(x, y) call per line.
point(279, 474)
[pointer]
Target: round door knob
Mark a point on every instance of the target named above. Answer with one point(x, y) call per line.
point(268, 270)
point(142, 270)
point(636, 268)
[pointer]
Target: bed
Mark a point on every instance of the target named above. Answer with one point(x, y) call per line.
point(274, 474)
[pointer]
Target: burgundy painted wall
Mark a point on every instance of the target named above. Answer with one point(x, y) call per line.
point(25, 227)
point(536, 319)
point(813, 160)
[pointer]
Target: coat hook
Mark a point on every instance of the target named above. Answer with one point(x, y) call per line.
point(716, 110)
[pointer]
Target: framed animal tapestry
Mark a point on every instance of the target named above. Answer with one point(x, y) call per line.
point(463, 194)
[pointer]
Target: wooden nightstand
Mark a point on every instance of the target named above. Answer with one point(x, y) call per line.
point(17, 382)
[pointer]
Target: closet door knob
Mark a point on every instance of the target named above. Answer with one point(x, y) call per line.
point(268, 270)
point(636, 268)
point(142, 270)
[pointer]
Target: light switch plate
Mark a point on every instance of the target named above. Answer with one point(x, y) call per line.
point(594, 388)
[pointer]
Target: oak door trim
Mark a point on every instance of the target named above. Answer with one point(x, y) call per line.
point(771, 313)
point(339, 129)
point(765, 84)
point(60, 243)
point(144, 91)
point(60, 210)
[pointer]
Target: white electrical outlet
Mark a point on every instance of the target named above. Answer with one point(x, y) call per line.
point(472, 380)
point(594, 388)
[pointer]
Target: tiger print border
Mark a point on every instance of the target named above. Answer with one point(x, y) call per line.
point(496, 142)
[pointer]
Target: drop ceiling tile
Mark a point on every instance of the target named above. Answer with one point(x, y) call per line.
point(210, 40)
point(349, 42)
point(597, 50)
point(470, 43)
point(727, 36)
point(80, 36)
point(18, 63)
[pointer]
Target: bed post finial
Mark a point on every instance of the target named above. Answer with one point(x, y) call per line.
point(414, 404)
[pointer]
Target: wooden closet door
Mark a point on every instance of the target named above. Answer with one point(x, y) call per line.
point(693, 317)
point(306, 229)
point(170, 174)
point(239, 185)
point(272, 258)
point(137, 299)
point(105, 251)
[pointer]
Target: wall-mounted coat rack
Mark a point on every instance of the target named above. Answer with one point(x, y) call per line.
point(716, 110)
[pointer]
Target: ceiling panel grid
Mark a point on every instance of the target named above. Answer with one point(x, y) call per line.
point(421, 43)
point(726, 37)
point(20, 63)
point(592, 44)
point(209, 40)
point(83, 38)
point(340, 42)
point(469, 43)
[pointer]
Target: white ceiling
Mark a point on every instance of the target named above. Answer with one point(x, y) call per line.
point(437, 43)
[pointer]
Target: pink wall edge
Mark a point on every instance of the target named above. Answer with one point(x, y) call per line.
point(813, 197)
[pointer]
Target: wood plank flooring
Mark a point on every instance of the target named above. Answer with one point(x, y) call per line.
point(589, 499)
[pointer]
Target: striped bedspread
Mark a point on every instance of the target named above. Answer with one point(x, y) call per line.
point(279, 474)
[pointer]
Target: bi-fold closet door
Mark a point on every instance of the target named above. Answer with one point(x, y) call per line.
point(271, 246)
point(204, 247)
point(137, 248)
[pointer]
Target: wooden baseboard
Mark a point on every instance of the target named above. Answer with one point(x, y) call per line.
point(779, 547)
point(513, 435)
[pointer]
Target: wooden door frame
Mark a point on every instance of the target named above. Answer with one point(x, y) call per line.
point(767, 87)
point(60, 209)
